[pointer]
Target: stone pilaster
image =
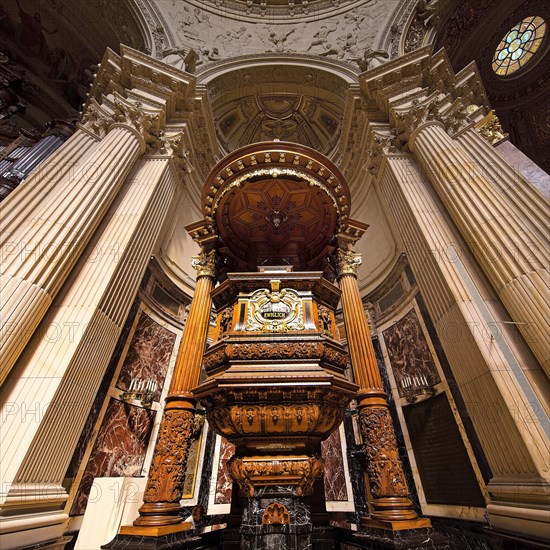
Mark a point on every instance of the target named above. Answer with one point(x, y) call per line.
point(512, 249)
point(31, 265)
point(98, 212)
point(81, 181)
point(429, 107)
point(62, 368)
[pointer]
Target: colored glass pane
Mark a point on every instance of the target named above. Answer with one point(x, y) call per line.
point(519, 45)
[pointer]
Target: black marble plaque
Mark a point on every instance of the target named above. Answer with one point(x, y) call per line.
point(443, 463)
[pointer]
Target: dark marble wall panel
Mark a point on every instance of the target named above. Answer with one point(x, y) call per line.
point(224, 482)
point(148, 355)
point(119, 449)
point(334, 479)
point(408, 351)
point(87, 432)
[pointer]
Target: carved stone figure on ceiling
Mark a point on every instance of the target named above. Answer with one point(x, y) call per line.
point(428, 10)
point(371, 59)
point(32, 32)
point(320, 38)
point(279, 39)
point(175, 57)
point(348, 46)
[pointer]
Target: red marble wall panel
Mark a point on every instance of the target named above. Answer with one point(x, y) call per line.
point(224, 481)
point(334, 479)
point(148, 355)
point(119, 449)
point(408, 351)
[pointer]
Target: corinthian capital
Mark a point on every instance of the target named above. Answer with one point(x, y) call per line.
point(419, 113)
point(205, 264)
point(490, 129)
point(347, 262)
point(452, 114)
point(96, 120)
point(134, 115)
point(171, 145)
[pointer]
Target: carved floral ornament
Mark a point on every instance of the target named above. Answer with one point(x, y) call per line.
point(118, 110)
point(99, 119)
point(276, 514)
point(453, 115)
point(205, 264)
point(167, 473)
point(385, 473)
point(348, 262)
point(490, 129)
point(299, 471)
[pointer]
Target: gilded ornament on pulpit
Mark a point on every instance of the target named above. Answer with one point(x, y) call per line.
point(274, 310)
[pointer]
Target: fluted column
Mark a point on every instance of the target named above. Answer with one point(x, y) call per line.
point(165, 483)
point(392, 507)
point(505, 391)
point(62, 208)
point(59, 373)
point(505, 228)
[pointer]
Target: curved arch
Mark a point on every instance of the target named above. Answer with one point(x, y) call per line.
point(334, 67)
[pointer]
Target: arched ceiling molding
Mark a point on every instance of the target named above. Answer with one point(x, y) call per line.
point(278, 12)
point(343, 70)
point(159, 35)
point(290, 97)
point(390, 37)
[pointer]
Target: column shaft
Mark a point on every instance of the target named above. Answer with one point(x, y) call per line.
point(165, 483)
point(503, 227)
point(392, 507)
point(63, 208)
point(493, 370)
point(60, 371)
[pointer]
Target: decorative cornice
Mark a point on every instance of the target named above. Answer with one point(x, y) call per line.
point(160, 103)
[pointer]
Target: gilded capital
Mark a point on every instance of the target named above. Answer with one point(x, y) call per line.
point(205, 264)
point(490, 129)
point(347, 262)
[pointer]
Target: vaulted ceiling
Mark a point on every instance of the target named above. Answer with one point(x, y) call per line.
point(278, 102)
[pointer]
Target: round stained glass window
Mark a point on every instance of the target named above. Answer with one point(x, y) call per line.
point(519, 45)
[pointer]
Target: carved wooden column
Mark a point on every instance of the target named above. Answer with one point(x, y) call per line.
point(392, 507)
point(165, 484)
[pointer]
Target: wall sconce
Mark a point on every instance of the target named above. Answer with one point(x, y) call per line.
point(416, 387)
point(141, 390)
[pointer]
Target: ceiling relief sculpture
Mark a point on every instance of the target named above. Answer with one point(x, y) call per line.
point(221, 29)
point(278, 102)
